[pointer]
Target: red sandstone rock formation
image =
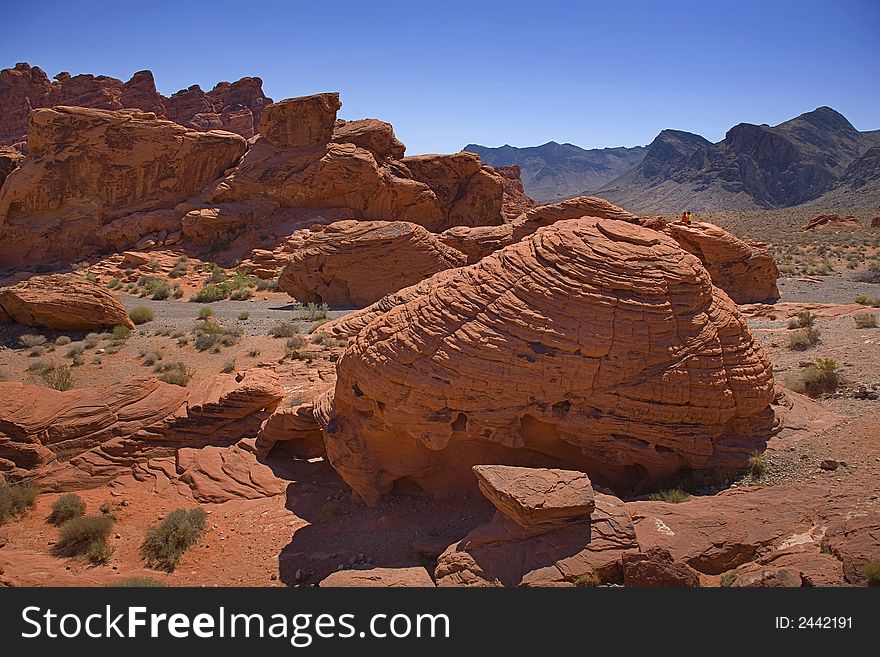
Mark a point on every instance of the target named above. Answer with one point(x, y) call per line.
point(656, 568)
point(833, 222)
point(86, 436)
point(403, 577)
point(235, 106)
point(594, 342)
point(295, 431)
point(354, 263)
point(10, 158)
point(66, 302)
point(747, 272)
point(515, 200)
point(89, 168)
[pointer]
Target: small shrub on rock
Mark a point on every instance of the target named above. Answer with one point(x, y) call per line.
point(15, 500)
point(803, 339)
point(58, 377)
point(866, 320)
point(176, 373)
point(804, 319)
point(85, 536)
point(121, 333)
point(671, 496)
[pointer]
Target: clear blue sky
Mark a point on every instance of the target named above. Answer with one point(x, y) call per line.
point(447, 73)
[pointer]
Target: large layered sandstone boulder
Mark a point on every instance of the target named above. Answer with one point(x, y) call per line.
point(596, 343)
point(90, 167)
point(832, 222)
point(374, 135)
point(65, 302)
point(747, 272)
point(355, 263)
point(293, 430)
point(84, 437)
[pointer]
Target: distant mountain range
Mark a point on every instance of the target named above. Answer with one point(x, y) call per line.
point(553, 172)
point(817, 158)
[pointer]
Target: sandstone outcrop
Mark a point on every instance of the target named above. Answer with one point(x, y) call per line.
point(300, 122)
point(234, 106)
point(595, 343)
point(295, 431)
point(90, 167)
point(503, 553)
point(86, 436)
point(403, 577)
point(515, 200)
point(65, 302)
point(10, 158)
point(832, 222)
point(656, 568)
point(355, 263)
point(746, 272)
point(307, 160)
point(219, 474)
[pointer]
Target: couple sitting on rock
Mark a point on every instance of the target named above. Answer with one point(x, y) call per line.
point(686, 217)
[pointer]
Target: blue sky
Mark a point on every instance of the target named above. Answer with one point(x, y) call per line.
point(448, 73)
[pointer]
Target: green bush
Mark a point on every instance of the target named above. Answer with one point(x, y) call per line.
point(58, 377)
point(31, 340)
point(803, 339)
point(866, 320)
point(176, 373)
point(243, 316)
point(284, 330)
point(588, 580)
point(228, 367)
point(757, 465)
point(85, 536)
point(62, 340)
point(114, 283)
point(871, 571)
point(141, 315)
point(205, 312)
point(69, 505)
point(727, 579)
point(210, 293)
point(821, 377)
point(313, 311)
point(121, 333)
point(672, 496)
point(75, 350)
point(166, 542)
point(804, 319)
point(15, 500)
point(161, 291)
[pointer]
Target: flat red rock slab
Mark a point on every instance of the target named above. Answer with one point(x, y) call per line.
point(537, 496)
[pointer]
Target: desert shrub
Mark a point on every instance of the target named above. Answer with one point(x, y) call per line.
point(871, 571)
point(114, 283)
point(284, 330)
point(84, 536)
point(228, 367)
point(241, 294)
point(210, 293)
point(821, 377)
point(91, 277)
point(120, 333)
point(205, 341)
point(36, 351)
point(91, 340)
point(58, 377)
point(727, 579)
point(270, 285)
point(138, 582)
point(313, 311)
point(141, 315)
point(31, 340)
point(803, 339)
point(862, 299)
point(166, 542)
point(866, 320)
point(69, 505)
point(176, 291)
point(243, 316)
point(588, 580)
point(294, 344)
point(15, 500)
point(671, 496)
point(205, 312)
point(176, 373)
point(757, 465)
point(161, 291)
point(62, 340)
point(253, 353)
point(152, 358)
point(804, 319)
point(75, 350)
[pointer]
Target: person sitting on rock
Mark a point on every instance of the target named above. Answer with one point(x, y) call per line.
point(684, 217)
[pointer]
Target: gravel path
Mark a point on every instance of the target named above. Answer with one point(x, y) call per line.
point(837, 288)
point(262, 314)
